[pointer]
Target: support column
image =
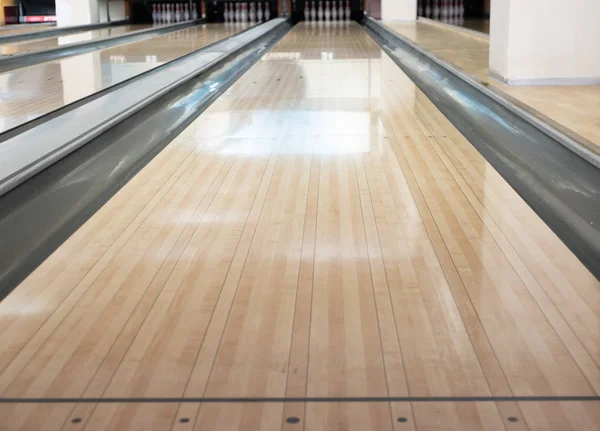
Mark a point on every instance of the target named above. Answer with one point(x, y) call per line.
point(116, 9)
point(76, 12)
point(398, 9)
point(545, 42)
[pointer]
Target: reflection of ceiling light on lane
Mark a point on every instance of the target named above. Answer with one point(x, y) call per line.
point(281, 56)
point(327, 56)
point(117, 59)
point(151, 59)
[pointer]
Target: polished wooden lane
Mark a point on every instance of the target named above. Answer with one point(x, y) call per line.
point(12, 29)
point(31, 92)
point(576, 108)
point(57, 41)
point(320, 231)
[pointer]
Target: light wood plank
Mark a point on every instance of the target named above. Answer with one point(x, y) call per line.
point(321, 230)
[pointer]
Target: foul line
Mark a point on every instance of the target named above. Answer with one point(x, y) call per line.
point(147, 400)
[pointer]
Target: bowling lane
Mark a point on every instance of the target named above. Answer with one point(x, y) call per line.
point(321, 230)
point(30, 92)
point(56, 41)
point(8, 30)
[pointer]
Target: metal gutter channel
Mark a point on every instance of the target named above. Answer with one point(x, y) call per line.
point(557, 181)
point(38, 215)
point(59, 31)
point(17, 61)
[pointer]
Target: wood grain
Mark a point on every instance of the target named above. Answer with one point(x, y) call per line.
point(320, 231)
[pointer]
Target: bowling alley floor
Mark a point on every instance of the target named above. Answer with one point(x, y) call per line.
point(573, 109)
point(320, 250)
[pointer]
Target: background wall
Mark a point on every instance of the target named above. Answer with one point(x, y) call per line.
point(398, 9)
point(5, 3)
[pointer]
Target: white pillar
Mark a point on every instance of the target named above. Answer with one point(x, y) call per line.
point(398, 10)
point(117, 10)
point(76, 12)
point(545, 42)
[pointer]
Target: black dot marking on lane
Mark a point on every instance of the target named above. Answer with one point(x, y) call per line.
point(184, 420)
point(292, 420)
point(512, 419)
point(402, 419)
point(76, 420)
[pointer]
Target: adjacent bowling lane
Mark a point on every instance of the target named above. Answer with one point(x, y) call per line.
point(321, 230)
point(8, 30)
point(30, 92)
point(56, 41)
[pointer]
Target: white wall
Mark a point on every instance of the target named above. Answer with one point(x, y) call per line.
point(79, 12)
point(545, 41)
point(117, 10)
point(398, 9)
point(76, 12)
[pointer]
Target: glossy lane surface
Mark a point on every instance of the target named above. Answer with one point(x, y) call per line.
point(31, 92)
point(57, 41)
point(323, 231)
point(7, 30)
point(574, 107)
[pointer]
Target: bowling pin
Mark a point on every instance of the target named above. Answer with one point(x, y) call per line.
point(320, 12)
point(186, 12)
point(436, 9)
point(168, 15)
point(327, 11)
point(226, 12)
point(347, 11)
point(194, 12)
point(341, 11)
point(236, 15)
point(259, 12)
point(333, 11)
point(428, 9)
point(313, 11)
point(177, 13)
point(154, 14)
point(252, 13)
point(267, 11)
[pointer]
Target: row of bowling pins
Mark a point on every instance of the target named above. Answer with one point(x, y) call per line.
point(168, 13)
point(243, 14)
point(334, 13)
point(441, 9)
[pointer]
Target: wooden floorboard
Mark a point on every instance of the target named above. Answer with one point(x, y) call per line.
point(320, 231)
